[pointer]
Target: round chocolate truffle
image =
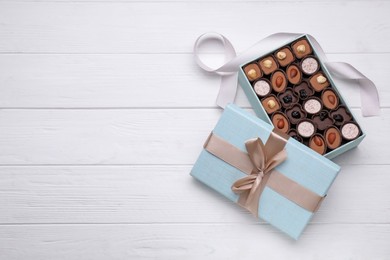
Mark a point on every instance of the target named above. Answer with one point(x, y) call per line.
point(333, 137)
point(350, 131)
point(294, 75)
point(252, 71)
point(312, 105)
point(306, 128)
point(309, 65)
point(330, 99)
point(279, 81)
point(288, 98)
point(317, 143)
point(262, 87)
point(280, 122)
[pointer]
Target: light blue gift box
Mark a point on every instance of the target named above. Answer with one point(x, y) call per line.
point(304, 166)
point(261, 113)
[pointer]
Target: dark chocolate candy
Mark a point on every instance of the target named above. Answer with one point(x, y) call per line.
point(340, 116)
point(323, 120)
point(295, 135)
point(303, 90)
point(295, 114)
point(288, 98)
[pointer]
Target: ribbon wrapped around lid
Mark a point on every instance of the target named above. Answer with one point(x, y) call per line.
point(229, 71)
point(259, 164)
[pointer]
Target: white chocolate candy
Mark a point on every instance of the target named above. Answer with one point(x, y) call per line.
point(262, 88)
point(350, 131)
point(312, 106)
point(309, 65)
point(305, 129)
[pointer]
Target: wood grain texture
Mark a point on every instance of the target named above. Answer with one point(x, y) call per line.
point(138, 136)
point(189, 241)
point(137, 194)
point(138, 80)
point(72, 27)
point(103, 112)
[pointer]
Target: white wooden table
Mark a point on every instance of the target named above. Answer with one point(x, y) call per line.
point(103, 112)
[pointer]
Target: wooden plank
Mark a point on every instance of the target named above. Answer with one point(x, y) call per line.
point(165, 194)
point(192, 242)
point(138, 80)
point(72, 27)
point(137, 136)
point(121, 1)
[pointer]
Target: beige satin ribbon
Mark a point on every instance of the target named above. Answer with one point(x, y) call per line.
point(259, 164)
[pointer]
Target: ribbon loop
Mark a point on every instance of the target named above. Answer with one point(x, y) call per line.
point(249, 187)
point(229, 71)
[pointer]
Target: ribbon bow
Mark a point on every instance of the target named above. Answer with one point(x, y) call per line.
point(264, 161)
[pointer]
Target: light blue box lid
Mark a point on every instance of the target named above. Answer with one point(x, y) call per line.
point(302, 165)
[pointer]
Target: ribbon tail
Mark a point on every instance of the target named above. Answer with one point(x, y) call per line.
point(276, 160)
point(227, 90)
point(251, 200)
point(368, 91)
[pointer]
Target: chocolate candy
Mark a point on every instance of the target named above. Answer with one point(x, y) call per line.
point(329, 99)
point(279, 81)
point(262, 87)
point(312, 105)
point(350, 131)
point(295, 114)
point(298, 96)
point(270, 104)
point(303, 90)
point(319, 81)
point(340, 116)
point(301, 48)
point(309, 65)
point(322, 120)
point(284, 56)
point(294, 75)
point(280, 122)
point(268, 65)
point(295, 135)
point(306, 128)
point(288, 98)
point(252, 72)
point(317, 143)
point(333, 137)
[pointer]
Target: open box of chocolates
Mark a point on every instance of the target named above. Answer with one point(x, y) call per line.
point(291, 88)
